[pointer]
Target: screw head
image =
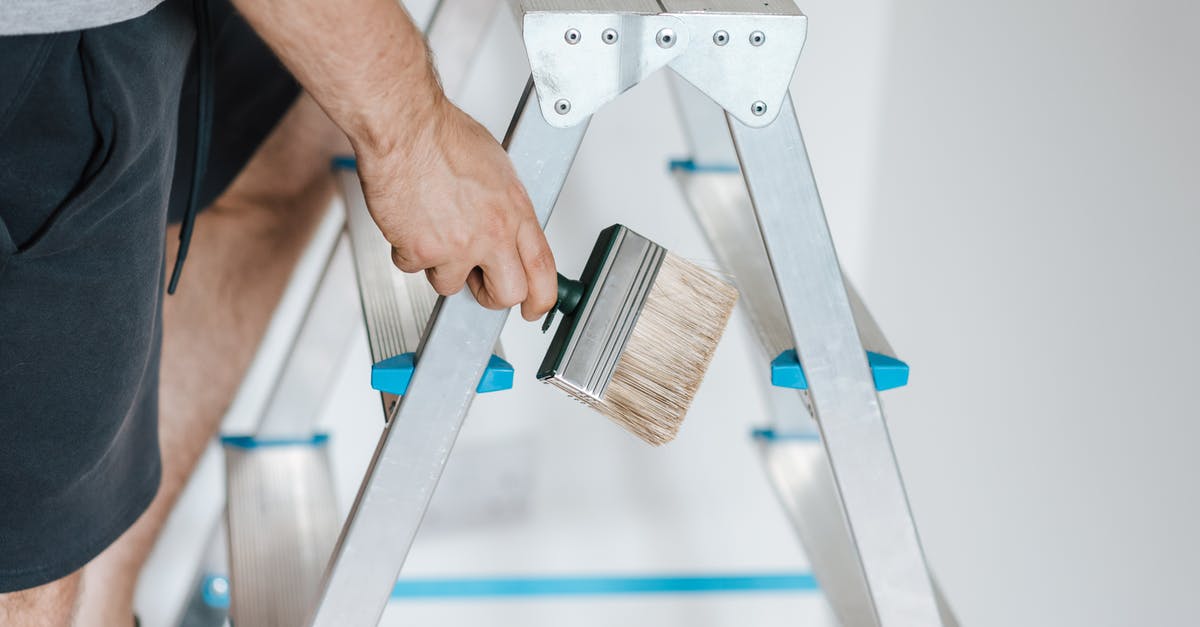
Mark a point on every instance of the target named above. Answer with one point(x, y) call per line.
point(572, 36)
point(757, 38)
point(721, 38)
point(609, 36)
point(665, 38)
point(562, 106)
point(758, 108)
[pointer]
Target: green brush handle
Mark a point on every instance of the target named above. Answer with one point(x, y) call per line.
point(570, 292)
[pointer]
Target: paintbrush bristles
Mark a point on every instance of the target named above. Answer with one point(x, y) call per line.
point(668, 352)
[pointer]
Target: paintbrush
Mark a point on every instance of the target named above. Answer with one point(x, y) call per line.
point(638, 331)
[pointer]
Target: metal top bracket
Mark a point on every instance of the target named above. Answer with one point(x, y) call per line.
point(584, 53)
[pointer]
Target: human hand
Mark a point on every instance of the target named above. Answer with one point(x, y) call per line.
point(446, 197)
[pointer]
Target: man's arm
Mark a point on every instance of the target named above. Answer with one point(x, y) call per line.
point(440, 188)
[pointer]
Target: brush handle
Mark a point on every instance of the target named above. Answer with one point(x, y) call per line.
point(570, 292)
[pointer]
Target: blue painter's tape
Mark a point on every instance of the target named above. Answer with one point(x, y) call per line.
point(771, 435)
point(889, 372)
point(215, 591)
point(344, 162)
point(458, 588)
point(250, 441)
point(393, 375)
point(690, 165)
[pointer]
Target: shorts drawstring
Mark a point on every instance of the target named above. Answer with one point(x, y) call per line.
point(204, 104)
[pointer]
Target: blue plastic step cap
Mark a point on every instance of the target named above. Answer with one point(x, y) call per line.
point(889, 372)
point(253, 441)
point(344, 162)
point(690, 165)
point(215, 591)
point(393, 374)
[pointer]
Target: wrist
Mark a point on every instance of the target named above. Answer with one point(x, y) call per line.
point(393, 107)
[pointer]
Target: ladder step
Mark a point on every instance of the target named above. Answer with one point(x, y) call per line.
point(396, 305)
point(283, 520)
point(717, 194)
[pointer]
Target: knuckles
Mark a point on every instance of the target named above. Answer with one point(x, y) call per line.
point(405, 262)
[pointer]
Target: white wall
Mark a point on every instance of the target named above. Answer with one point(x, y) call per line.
point(1033, 255)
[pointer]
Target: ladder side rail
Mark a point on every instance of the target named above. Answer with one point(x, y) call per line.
point(803, 482)
point(798, 469)
point(792, 221)
point(416, 443)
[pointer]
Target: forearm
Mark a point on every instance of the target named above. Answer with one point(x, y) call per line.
point(363, 61)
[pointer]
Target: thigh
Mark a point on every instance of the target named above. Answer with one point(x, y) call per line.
point(251, 92)
point(87, 139)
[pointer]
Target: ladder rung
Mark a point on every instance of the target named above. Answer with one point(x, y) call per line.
point(283, 520)
point(396, 305)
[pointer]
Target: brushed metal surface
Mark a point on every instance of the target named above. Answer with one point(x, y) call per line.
point(800, 474)
point(792, 221)
point(416, 443)
point(282, 517)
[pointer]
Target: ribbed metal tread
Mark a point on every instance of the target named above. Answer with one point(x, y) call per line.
point(396, 305)
point(283, 519)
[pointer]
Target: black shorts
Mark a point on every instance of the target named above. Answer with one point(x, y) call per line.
point(96, 129)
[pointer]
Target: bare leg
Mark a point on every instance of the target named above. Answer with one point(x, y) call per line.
point(49, 605)
point(243, 252)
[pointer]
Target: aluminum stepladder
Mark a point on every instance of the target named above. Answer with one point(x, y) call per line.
point(741, 55)
point(542, 147)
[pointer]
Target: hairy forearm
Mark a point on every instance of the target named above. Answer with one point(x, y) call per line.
point(363, 61)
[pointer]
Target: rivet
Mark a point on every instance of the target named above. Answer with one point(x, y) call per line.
point(665, 38)
point(758, 108)
point(757, 38)
point(721, 38)
point(563, 106)
point(609, 36)
point(572, 36)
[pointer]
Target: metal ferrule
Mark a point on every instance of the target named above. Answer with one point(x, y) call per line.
point(590, 342)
